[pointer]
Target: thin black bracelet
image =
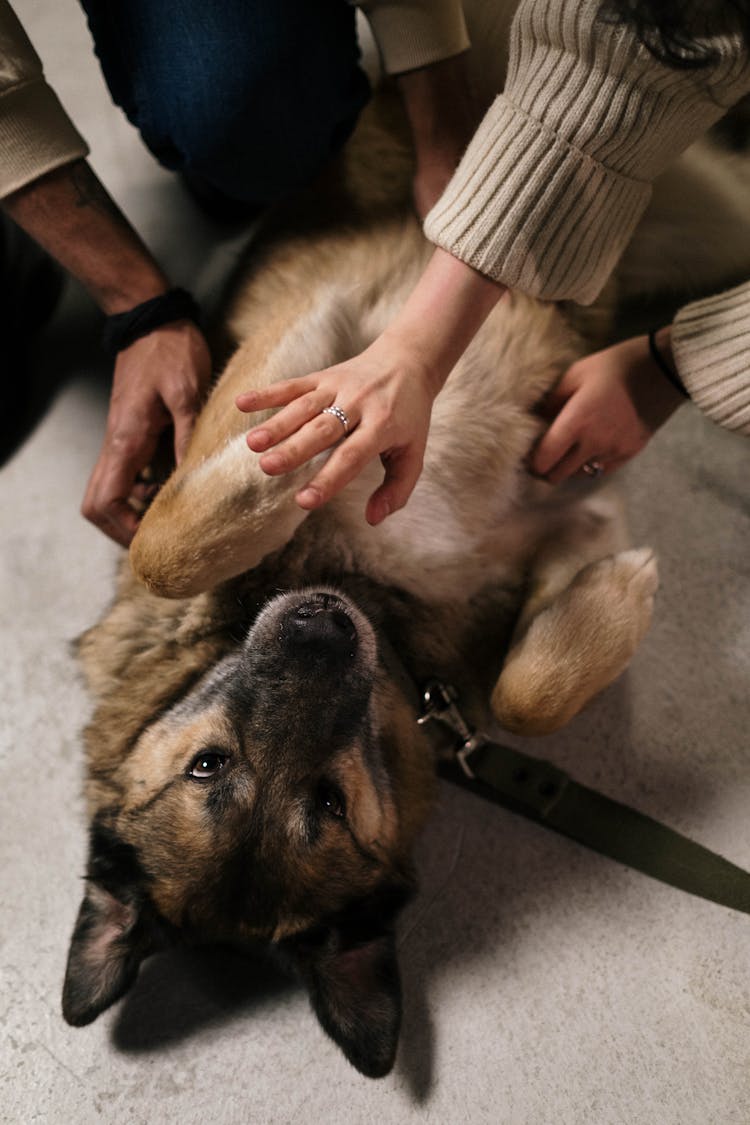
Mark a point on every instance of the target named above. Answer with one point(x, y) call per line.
point(123, 329)
point(663, 366)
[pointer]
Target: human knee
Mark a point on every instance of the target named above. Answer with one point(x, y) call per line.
point(258, 145)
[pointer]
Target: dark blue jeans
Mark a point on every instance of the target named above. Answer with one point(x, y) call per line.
point(247, 98)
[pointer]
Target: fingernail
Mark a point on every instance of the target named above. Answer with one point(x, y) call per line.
point(272, 463)
point(308, 498)
point(258, 440)
point(380, 513)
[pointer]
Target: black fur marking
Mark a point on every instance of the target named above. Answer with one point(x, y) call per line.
point(351, 973)
point(113, 864)
point(137, 809)
point(116, 928)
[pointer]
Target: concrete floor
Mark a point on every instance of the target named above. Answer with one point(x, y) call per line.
point(545, 985)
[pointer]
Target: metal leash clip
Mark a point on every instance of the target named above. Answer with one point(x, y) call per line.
point(439, 703)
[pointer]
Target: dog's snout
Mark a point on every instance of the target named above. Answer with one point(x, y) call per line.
point(322, 625)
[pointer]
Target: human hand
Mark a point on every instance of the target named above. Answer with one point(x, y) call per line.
point(604, 409)
point(386, 394)
point(158, 380)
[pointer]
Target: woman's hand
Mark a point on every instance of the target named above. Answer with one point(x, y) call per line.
point(386, 393)
point(160, 379)
point(605, 409)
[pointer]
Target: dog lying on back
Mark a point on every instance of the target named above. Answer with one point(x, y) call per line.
point(255, 771)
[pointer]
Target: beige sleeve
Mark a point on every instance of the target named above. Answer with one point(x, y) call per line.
point(36, 134)
point(414, 33)
point(711, 348)
point(559, 172)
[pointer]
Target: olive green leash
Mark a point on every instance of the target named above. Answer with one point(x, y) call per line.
point(547, 795)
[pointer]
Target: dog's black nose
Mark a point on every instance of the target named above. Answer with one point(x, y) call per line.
point(322, 625)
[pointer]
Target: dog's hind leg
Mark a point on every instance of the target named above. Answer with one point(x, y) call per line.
point(588, 607)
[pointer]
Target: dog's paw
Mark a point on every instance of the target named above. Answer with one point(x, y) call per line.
point(578, 645)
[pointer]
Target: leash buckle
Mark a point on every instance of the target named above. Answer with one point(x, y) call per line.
point(439, 703)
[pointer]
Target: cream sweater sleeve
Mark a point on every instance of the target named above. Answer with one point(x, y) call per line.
point(414, 33)
point(36, 134)
point(559, 171)
point(711, 348)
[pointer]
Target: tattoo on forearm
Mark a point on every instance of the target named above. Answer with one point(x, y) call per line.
point(90, 192)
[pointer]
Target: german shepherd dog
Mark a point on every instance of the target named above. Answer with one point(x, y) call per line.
point(255, 772)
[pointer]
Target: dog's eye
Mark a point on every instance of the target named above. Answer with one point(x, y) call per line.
point(207, 764)
point(331, 800)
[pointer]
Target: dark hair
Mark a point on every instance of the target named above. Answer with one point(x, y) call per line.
point(679, 33)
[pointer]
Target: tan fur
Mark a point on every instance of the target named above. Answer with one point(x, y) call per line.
point(526, 597)
point(476, 530)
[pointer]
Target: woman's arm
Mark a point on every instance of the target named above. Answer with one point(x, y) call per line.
point(608, 405)
point(386, 393)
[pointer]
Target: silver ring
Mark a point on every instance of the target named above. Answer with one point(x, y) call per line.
point(337, 412)
point(593, 468)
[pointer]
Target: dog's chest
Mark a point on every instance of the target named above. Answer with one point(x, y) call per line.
point(443, 547)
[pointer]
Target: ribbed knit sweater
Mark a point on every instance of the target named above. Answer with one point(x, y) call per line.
point(559, 172)
point(36, 134)
point(553, 183)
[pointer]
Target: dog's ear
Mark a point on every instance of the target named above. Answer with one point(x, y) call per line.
point(112, 934)
point(351, 973)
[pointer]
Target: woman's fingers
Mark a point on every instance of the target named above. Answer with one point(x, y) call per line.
point(276, 394)
point(569, 464)
point(292, 418)
point(403, 468)
point(555, 444)
point(303, 427)
point(319, 433)
point(345, 463)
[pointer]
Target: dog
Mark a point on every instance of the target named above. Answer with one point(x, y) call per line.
point(255, 775)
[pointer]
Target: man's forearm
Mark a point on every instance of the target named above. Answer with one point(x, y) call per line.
point(71, 215)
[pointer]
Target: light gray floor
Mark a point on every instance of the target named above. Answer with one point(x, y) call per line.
point(544, 985)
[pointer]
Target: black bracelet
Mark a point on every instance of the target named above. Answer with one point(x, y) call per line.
point(663, 366)
point(123, 329)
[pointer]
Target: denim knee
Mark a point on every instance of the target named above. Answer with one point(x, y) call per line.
point(256, 143)
point(250, 96)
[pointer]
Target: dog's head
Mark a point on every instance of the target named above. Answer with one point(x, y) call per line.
point(275, 801)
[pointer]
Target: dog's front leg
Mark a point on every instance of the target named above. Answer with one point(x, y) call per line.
point(588, 607)
point(219, 515)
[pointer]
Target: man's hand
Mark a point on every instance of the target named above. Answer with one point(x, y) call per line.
point(159, 380)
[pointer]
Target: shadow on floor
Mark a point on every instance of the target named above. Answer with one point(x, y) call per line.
point(61, 349)
point(185, 990)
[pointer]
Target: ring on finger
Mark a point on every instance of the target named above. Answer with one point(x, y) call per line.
point(337, 412)
point(593, 468)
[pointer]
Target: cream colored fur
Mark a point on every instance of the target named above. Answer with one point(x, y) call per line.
point(475, 520)
point(321, 291)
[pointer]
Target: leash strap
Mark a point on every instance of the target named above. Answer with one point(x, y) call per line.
point(540, 791)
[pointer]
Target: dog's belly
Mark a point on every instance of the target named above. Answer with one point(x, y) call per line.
point(475, 515)
point(437, 550)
